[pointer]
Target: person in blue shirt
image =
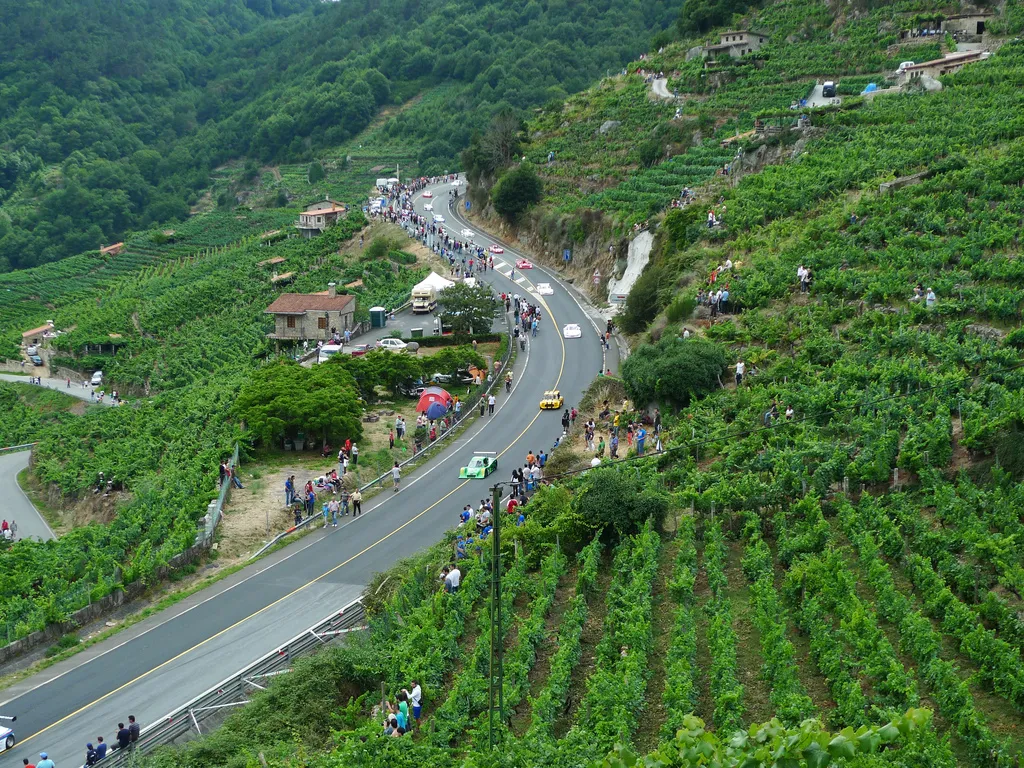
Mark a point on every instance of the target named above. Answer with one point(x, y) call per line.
point(521, 520)
point(289, 491)
point(640, 437)
point(460, 549)
point(101, 748)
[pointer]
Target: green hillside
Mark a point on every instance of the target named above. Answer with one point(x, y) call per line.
point(849, 562)
point(114, 115)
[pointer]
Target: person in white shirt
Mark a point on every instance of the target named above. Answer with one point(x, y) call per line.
point(415, 699)
point(741, 368)
point(686, 333)
point(453, 578)
point(929, 298)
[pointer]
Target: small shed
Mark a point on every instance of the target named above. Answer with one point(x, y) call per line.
point(378, 317)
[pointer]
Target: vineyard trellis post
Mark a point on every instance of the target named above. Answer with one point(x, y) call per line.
point(496, 698)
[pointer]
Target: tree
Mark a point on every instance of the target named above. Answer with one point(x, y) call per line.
point(673, 371)
point(623, 500)
point(467, 309)
point(378, 367)
point(516, 191)
point(451, 360)
point(283, 399)
point(315, 172)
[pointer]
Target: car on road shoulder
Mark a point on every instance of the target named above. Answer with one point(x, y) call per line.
point(495, 249)
point(438, 218)
point(572, 331)
point(97, 378)
point(36, 359)
point(545, 289)
point(552, 399)
point(428, 194)
point(360, 349)
point(395, 345)
point(7, 739)
point(480, 466)
point(428, 207)
point(524, 264)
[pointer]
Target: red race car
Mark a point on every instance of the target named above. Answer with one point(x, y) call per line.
point(496, 249)
point(428, 194)
point(523, 264)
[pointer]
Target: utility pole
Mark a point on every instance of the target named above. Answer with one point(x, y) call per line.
point(496, 692)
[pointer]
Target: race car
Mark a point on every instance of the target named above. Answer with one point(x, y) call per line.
point(7, 739)
point(438, 218)
point(523, 264)
point(495, 249)
point(468, 234)
point(572, 331)
point(552, 400)
point(545, 289)
point(480, 466)
point(428, 194)
point(428, 207)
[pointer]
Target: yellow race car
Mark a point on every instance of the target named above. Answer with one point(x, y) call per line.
point(552, 400)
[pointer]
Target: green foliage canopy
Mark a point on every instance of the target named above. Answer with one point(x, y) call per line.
point(467, 309)
point(516, 191)
point(673, 371)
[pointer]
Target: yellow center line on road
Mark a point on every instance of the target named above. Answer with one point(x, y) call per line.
point(410, 521)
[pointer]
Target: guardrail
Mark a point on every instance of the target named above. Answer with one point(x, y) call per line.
point(235, 690)
point(16, 448)
point(216, 508)
point(380, 480)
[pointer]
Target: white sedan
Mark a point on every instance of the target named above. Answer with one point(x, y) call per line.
point(428, 207)
point(428, 194)
point(572, 331)
point(395, 345)
point(545, 289)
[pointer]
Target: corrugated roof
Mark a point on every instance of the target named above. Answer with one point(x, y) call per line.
point(300, 303)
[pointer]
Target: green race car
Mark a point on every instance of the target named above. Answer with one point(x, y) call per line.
point(480, 466)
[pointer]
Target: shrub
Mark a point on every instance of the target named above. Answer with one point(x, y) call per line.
point(620, 499)
point(642, 304)
point(516, 191)
point(673, 371)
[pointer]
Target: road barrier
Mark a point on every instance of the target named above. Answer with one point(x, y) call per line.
point(187, 720)
point(467, 412)
point(16, 448)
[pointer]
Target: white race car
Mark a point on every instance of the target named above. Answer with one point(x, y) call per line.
point(468, 233)
point(438, 218)
point(7, 739)
point(545, 289)
point(428, 207)
point(428, 194)
point(457, 183)
point(572, 331)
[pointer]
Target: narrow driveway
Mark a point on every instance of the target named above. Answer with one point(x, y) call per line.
point(16, 505)
point(660, 88)
point(60, 385)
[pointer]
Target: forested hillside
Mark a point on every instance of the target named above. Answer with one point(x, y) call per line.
point(113, 115)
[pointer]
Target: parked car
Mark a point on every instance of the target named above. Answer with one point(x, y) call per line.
point(36, 359)
point(411, 388)
point(97, 378)
point(391, 343)
point(441, 378)
point(360, 349)
point(524, 264)
point(828, 90)
point(32, 350)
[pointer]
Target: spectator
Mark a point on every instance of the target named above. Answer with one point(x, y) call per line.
point(930, 299)
point(289, 491)
point(416, 699)
point(24, 761)
point(101, 748)
point(45, 761)
point(133, 729)
point(90, 754)
point(355, 454)
point(124, 738)
point(741, 368)
point(357, 503)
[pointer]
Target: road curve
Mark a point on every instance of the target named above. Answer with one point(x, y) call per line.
point(169, 658)
point(16, 505)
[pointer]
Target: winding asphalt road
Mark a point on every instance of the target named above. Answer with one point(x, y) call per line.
point(162, 662)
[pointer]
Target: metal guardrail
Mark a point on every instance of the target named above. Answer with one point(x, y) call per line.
point(234, 691)
point(216, 508)
point(379, 481)
point(16, 448)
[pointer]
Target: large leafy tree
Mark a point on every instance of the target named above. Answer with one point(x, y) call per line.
point(467, 309)
point(379, 367)
point(284, 399)
point(516, 191)
point(673, 371)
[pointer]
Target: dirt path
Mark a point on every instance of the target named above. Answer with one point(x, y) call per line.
point(660, 88)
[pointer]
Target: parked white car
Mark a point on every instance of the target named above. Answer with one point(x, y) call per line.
point(97, 378)
point(395, 345)
point(545, 289)
point(572, 331)
point(327, 351)
point(32, 350)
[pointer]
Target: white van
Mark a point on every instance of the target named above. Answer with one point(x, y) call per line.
point(97, 378)
point(327, 351)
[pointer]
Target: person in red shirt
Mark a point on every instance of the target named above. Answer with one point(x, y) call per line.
point(512, 505)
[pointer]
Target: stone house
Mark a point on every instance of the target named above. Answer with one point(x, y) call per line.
point(36, 336)
point(319, 216)
point(312, 316)
point(734, 43)
point(952, 62)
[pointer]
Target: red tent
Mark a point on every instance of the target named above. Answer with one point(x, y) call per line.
point(433, 395)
